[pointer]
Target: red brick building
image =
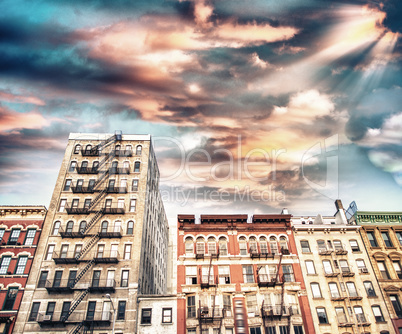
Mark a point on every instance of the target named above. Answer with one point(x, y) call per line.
point(237, 274)
point(20, 229)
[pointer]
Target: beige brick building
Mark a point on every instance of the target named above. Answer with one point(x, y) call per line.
point(341, 285)
point(104, 240)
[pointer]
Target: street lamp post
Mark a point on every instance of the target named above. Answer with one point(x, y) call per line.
point(114, 312)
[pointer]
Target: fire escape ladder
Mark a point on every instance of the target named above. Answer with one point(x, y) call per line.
point(75, 303)
point(209, 269)
point(199, 315)
point(93, 221)
point(264, 320)
point(290, 318)
point(282, 299)
point(105, 143)
point(99, 197)
point(277, 268)
point(83, 271)
point(77, 328)
point(89, 245)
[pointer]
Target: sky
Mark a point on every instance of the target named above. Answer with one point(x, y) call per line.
point(253, 106)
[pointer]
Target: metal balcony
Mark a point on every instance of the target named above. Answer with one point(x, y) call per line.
point(81, 189)
point(278, 311)
point(79, 209)
point(332, 274)
point(116, 190)
point(106, 285)
point(209, 314)
point(111, 231)
point(59, 286)
point(355, 296)
point(119, 171)
point(106, 257)
point(87, 170)
point(114, 209)
point(264, 280)
point(346, 272)
point(123, 153)
point(55, 319)
point(207, 282)
point(99, 319)
point(325, 251)
point(94, 152)
point(337, 297)
point(71, 233)
point(66, 257)
point(199, 254)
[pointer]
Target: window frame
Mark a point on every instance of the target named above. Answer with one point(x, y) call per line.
point(4, 259)
point(304, 247)
point(373, 240)
point(169, 317)
point(146, 319)
point(315, 287)
point(124, 280)
point(310, 264)
point(121, 310)
point(33, 314)
point(376, 316)
point(355, 248)
point(387, 241)
point(127, 251)
point(19, 266)
point(325, 313)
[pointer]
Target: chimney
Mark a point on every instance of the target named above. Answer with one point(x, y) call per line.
point(284, 211)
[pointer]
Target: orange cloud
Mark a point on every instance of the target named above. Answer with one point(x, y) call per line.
point(9, 97)
point(10, 120)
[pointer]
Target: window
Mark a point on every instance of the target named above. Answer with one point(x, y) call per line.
point(310, 268)
point(63, 203)
point(223, 246)
point(120, 204)
point(50, 308)
point(283, 330)
point(352, 289)
point(191, 331)
point(287, 270)
point(211, 247)
point(137, 165)
point(57, 278)
point(189, 246)
point(166, 315)
point(69, 226)
point(71, 278)
point(333, 289)
point(273, 245)
point(224, 274)
point(322, 315)
point(30, 237)
point(248, 275)
point(361, 266)
point(10, 299)
point(77, 149)
point(146, 314)
point(127, 252)
point(63, 251)
point(327, 267)
point(91, 310)
point(397, 305)
point(298, 329)
point(130, 227)
point(124, 279)
point(14, 235)
point(397, 267)
point(42, 279)
point(121, 310)
point(369, 289)
point(83, 227)
point(73, 165)
point(67, 185)
point(104, 227)
point(134, 186)
point(96, 278)
point(305, 246)
point(77, 251)
point(252, 306)
point(383, 269)
point(255, 330)
point(5, 262)
point(34, 311)
point(243, 246)
point(100, 251)
point(22, 262)
point(372, 239)
point(191, 307)
point(344, 266)
point(56, 227)
point(191, 275)
point(315, 289)
point(132, 205)
point(377, 314)
point(200, 246)
point(399, 237)
point(64, 311)
point(387, 240)
point(263, 246)
point(359, 314)
point(340, 315)
point(354, 245)
point(138, 150)
point(2, 230)
point(227, 304)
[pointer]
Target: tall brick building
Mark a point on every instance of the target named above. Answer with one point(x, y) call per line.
point(20, 230)
point(104, 241)
point(237, 274)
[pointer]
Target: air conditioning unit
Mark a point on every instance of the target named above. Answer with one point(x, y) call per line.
point(204, 309)
point(47, 317)
point(363, 270)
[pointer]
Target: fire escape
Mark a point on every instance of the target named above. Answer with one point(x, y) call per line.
point(95, 213)
point(205, 314)
point(336, 252)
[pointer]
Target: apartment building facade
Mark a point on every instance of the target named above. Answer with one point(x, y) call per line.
point(104, 239)
point(382, 236)
point(20, 230)
point(342, 288)
point(237, 274)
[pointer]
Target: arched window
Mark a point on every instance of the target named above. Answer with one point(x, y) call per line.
point(253, 245)
point(211, 246)
point(126, 166)
point(73, 165)
point(223, 246)
point(283, 242)
point(104, 227)
point(189, 246)
point(273, 244)
point(114, 167)
point(95, 166)
point(69, 227)
point(77, 148)
point(83, 226)
point(263, 246)
point(369, 289)
point(137, 165)
point(130, 227)
point(200, 246)
point(243, 246)
point(138, 150)
point(56, 227)
point(117, 150)
point(128, 150)
point(88, 148)
point(333, 289)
